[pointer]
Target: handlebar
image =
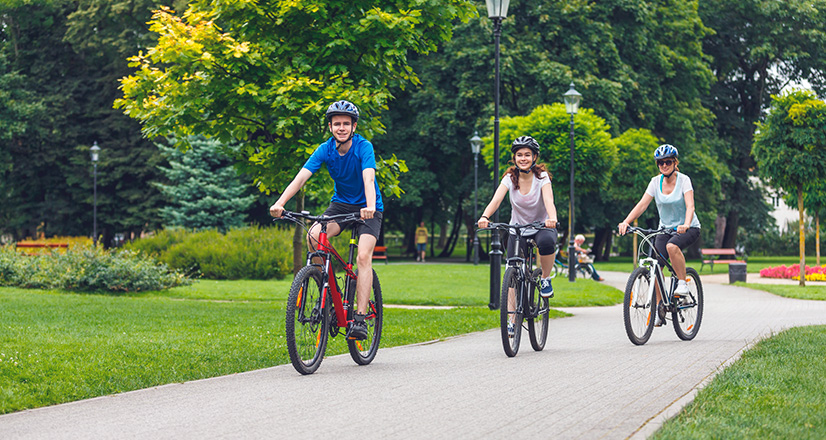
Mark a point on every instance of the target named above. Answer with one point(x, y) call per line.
point(506, 226)
point(344, 218)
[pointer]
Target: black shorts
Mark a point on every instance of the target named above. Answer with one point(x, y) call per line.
point(683, 241)
point(545, 240)
point(371, 226)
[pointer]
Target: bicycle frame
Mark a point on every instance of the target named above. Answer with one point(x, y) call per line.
point(653, 265)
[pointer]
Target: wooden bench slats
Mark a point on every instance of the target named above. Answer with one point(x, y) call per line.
point(380, 253)
point(718, 253)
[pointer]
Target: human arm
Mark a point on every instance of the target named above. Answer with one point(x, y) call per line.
point(498, 196)
point(642, 205)
point(369, 177)
point(689, 212)
point(550, 208)
point(292, 189)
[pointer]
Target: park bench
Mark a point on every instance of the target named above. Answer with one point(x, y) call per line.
point(380, 253)
point(40, 246)
point(711, 256)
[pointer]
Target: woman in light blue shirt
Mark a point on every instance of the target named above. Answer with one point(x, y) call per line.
point(674, 194)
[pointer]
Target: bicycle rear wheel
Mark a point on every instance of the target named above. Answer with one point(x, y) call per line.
point(364, 351)
point(688, 314)
point(637, 310)
point(538, 316)
point(307, 321)
point(510, 312)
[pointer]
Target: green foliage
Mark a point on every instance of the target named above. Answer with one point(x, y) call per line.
point(87, 269)
point(271, 69)
point(774, 242)
point(244, 253)
point(204, 190)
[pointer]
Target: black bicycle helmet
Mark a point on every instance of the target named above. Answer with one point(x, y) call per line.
point(343, 107)
point(525, 142)
point(666, 150)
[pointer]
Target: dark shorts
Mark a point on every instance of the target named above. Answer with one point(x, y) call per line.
point(545, 240)
point(683, 240)
point(421, 247)
point(371, 226)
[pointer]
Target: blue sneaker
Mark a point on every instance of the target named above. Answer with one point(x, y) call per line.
point(511, 330)
point(545, 288)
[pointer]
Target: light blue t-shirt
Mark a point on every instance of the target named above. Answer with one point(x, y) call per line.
point(346, 170)
point(672, 206)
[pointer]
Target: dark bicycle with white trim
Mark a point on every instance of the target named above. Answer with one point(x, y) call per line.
point(317, 307)
point(640, 303)
point(520, 299)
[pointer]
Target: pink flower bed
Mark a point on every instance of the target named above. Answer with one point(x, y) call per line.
point(793, 272)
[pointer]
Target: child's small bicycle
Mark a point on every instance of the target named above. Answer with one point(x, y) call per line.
point(317, 307)
point(640, 303)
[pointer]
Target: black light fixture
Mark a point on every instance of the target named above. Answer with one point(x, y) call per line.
point(95, 150)
point(571, 98)
point(475, 147)
point(497, 11)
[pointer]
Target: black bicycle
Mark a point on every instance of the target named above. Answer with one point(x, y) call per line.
point(640, 303)
point(520, 299)
point(318, 307)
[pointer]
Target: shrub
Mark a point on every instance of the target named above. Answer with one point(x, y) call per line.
point(87, 269)
point(244, 253)
point(158, 243)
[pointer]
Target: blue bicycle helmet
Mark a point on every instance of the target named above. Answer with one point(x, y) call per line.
point(343, 107)
point(666, 150)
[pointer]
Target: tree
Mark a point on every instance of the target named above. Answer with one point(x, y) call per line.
point(757, 47)
point(790, 149)
point(204, 191)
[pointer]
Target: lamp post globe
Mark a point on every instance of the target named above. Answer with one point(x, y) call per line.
point(497, 11)
point(475, 147)
point(571, 98)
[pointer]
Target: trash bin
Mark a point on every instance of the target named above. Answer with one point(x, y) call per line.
point(736, 272)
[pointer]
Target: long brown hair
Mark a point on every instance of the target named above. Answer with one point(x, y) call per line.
point(537, 171)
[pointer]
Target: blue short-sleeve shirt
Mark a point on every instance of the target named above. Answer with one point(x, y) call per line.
point(346, 170)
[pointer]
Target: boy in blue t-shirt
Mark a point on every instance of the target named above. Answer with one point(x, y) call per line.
point(351, 163)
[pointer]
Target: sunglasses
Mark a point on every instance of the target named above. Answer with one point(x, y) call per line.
point(666, 162)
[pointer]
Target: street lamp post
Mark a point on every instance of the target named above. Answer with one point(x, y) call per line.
point(475, 146)
point(571, 98)
point(95, 150)
point(497, 11)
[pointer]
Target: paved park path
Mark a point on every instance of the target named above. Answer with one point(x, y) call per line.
point(590, 382)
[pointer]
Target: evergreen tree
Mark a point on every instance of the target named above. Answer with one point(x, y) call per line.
point(205, 191)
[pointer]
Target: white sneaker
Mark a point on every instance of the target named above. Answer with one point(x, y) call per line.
point(682, 288)
point(658, 322)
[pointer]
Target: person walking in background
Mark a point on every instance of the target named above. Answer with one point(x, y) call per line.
point(421, 242)
point(584, 258)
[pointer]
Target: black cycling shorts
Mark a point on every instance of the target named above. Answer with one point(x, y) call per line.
point(683, 241)
point(545, 240)
point(371, 226)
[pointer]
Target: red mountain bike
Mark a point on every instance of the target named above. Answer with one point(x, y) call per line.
point(317, 306)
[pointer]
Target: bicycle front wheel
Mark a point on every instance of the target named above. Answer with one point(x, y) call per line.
point(637, 310)
point(538, 316)
point(307, 321)
point(364, 351)
point(510, 312)
point(688, 312)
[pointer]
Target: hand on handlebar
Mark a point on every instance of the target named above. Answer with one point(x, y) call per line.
point(622, 228)
point(482, 223)
point(276, 210)
point(550, 223)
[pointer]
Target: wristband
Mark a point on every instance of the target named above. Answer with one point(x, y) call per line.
point(485, 217)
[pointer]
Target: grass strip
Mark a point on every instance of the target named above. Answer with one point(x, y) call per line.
point(777, 389)
point(811, 291)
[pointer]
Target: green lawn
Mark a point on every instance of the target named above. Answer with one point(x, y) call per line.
point(777, 390)
point(58, 347)
point(811, 291)
point(753, 264)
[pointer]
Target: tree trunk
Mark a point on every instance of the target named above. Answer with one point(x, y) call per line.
point(454, 233)
point(802, 230)
point(817, 237)
point(719, 231)
point(443, 235)
point(298, 236)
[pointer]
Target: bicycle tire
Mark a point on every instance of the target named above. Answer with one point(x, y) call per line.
point(538, 316)
point(687, 320)
point(307, 321)
point(510, 343)
point(584, 270)
point(637, 310)
point(363, 352)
